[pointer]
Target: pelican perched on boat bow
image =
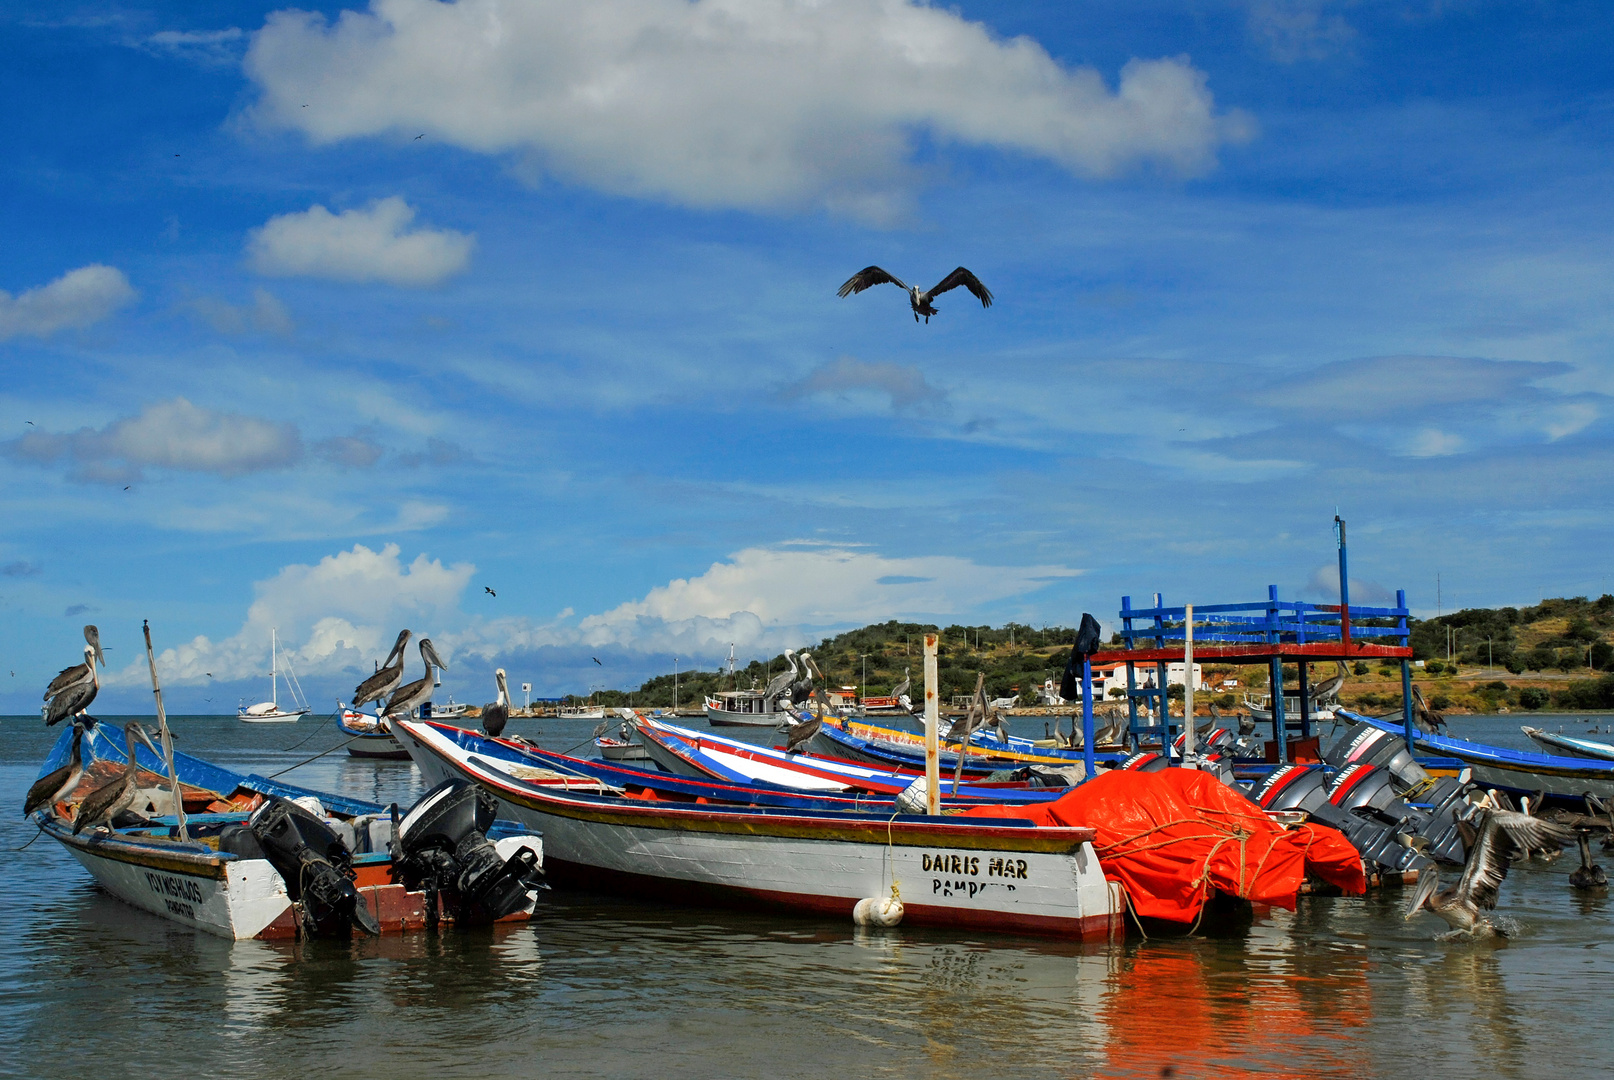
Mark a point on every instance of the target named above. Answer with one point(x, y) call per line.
point(920, 301)
point(496, 715)
point(387, 676)
point(72, 690)
point(799, 734)
point(417, 693)
point(1504, 835)
point(899, 692)
point(57, 784)
point(105, 803)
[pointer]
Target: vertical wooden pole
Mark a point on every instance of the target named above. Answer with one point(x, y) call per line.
point(1131, 677)
point(1305, 700)
point(1406, 704)
point(1189, 752)
point(167, 739)
point(932, 724)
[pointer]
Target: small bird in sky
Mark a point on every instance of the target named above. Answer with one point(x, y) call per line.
point(489, 591)
point(305, 106)
point(209, 674)
point(30, 423)
point(125, 487)
point(919, 301)
point(596, 659)
point(421, 136)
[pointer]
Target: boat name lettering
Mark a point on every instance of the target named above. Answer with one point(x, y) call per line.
point(1015, 868)
point(168, 886)
point(175, 908)
point(965, 887)
point(950, 864)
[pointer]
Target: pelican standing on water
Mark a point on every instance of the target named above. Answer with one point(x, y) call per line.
point(496, 715)
point(417, 693)
point(1503, 836)
point(387, 676)
point(72, 690)
point(109, 800)
point(57, 784)
point(919, 301)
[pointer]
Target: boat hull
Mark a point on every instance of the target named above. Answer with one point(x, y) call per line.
point(1026, 880)
point(724, 718)
point(1572, 747)
point(272, 718)
point(369, 741)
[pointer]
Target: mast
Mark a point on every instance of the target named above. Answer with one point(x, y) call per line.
point(274, 670)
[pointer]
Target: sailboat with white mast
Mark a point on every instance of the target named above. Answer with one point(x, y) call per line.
point(270, 712)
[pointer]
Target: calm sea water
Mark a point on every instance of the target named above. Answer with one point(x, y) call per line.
point(598, 986)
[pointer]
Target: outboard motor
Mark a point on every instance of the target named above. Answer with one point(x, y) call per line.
point(318, 870)
point(1217, 741)
point(1306, 788)
point(442, 846)
point(1364, 743)
point(1145, 761)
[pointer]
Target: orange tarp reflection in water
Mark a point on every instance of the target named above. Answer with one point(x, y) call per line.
point(1193, 1009)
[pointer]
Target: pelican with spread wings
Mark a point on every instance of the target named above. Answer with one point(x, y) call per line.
point(1503, 835)
point(919, 301)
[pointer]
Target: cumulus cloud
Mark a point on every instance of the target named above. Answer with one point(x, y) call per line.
point(333, 617)
point(848, 380)
point(372, 244)
point(349, 451)
point(760, 590)
point(167, 435)
point(20, 569)
point(266, 314)
point(78, 298)
point(717, 103)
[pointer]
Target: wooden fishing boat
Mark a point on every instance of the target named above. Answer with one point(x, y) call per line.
point(212, 880)
point(1568, 744)
point(370, 736)
point(743, 708)
point(1565, 780)
point(893, 747)
point(707, 756)
point(1000, 874)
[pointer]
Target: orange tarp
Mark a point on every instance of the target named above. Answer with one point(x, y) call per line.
point(1172, 836)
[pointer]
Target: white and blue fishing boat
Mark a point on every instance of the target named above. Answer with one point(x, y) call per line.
point(369, 735)
point(1559, 743)
point(242, 856)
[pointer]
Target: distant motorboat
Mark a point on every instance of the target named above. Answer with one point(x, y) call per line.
point(1568, 744)
point(450, 711)
point(270, 712)
point(1259, 707)
point(565, 712)
point(369, 735)
point(744, 708)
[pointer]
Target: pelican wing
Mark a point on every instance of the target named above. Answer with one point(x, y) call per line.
point(74, 699)
point(872, 275)
point(379, 685)
point(800, 734)
point(67, 677)
point(406, 697)
point(962, 277)
point(1505, 836)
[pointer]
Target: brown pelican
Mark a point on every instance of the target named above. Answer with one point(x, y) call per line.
point(780, 682)
point(899, 692)
point(919, 301)
point(1588, 875)
point(1327, 691)
point(414, 694)
point(106, 802)
point(802, 689)
point(1428, 719)
point(798, 735)
point(56, 785)
point(1503, 836)
point(496, 715)
point(387, 676)
point(72, 690)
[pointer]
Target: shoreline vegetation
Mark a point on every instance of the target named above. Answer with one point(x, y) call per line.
point(1555, 655)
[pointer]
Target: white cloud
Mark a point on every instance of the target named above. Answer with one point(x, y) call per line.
point(170, 435)
point(332, 617)
point(373, 244)
point(760, 592)
point(777, 104)
point(211, 48)
point(1295, 30)
point(77, 298)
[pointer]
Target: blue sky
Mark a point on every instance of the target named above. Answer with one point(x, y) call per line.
point(272, 360)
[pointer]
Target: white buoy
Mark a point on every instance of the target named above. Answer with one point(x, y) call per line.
point(877, 911)
point(914, 799)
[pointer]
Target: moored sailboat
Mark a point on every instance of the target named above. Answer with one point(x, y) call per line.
point(270, 712)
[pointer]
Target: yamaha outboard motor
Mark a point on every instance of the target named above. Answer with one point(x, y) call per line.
point(1364, 743)
point(442, 846)
point(1145, 761)
point(1306, 788)
point(318, 870)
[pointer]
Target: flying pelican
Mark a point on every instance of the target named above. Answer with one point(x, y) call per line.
point(106, 802)
point(919, 301)
point(72, 690)
point(496, 715)
point(780, 682)
point(56, 785)
point(387, 676)
point(1503, 836)
point(413, 694)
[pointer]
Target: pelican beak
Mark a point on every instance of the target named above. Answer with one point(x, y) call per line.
point(1428, 882)
point(140, 733)
point(429, 651)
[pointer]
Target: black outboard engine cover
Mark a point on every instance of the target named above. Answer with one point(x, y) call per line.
point(1293, 787)
point(317, 868)
point(1364, 743)
point(1306, 788)
point(1145, 761)
point(1216, 741)
point(442, 845)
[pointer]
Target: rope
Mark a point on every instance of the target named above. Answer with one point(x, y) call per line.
point(36, 836)
point(310, 735)
point(316, 757)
